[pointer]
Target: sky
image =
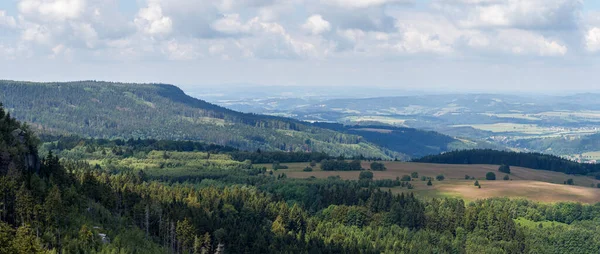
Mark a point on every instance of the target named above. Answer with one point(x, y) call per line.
point(523, 46)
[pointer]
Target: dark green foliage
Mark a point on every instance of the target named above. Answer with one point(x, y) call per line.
point(277, 166)
point(414, 175)
point(409, 141)
point(506, 178)
point(570, 181)
point(504, 169)
point(377, 166)
point(406, 178)
point(307, 169)
point(476, 183)
point(365, 175)
point(467, 177)
point(440, 177)
point(527, 160)
point(429, 182)
point(340, 165)
point(69, 142)
point(490, 176)
point(285, 157)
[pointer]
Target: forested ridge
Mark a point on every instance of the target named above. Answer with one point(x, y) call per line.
point(413, 142)
point(520, 159)
point(159, 111)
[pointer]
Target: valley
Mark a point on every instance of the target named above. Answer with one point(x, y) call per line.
point(539, 123)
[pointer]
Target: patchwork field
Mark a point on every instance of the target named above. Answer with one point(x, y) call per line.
point(530, 129)
point(539, 185)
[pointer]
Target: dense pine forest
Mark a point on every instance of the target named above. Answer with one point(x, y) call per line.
point(78, 195)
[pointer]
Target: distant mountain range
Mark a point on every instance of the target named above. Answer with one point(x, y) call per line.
point(161, 111)
point(559, 125)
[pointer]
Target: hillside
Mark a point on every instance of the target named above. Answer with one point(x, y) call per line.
point(160, 111)
point(413, 142)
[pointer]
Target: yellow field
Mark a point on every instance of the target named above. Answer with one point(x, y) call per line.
point(538, 185)
point(592, 155)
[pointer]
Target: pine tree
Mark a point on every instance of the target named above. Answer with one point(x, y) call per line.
point(6, 237)
point(26, 242)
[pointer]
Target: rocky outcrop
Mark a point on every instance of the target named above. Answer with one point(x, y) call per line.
point(25, 158)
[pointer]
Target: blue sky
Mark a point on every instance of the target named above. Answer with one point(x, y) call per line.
point(503, 45)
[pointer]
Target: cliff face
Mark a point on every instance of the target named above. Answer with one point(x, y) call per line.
point(18, 155)
point(18, 146)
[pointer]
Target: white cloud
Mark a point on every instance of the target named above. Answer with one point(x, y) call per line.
point(56, 10)
point(529, 14)
point(363, 3)
point(7, 21)
point(315, 24)
point(592, 40)
point(152, 21)
point(230, 29)
point(521, 42)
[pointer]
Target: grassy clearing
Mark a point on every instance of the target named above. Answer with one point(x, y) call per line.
point(538, 185)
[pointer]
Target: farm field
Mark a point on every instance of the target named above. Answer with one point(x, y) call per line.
point(530, 129)
point(538, 185)
point(595, 155)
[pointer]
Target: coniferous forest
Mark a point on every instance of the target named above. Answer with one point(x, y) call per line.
point(75, 195)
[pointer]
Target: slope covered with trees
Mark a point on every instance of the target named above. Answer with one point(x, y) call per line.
point(413, 142)
point(160, 111)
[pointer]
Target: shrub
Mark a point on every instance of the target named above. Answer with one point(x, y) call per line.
point(506, 178)
point(307, 169)
point(423, 178)
point(406, 178)
point(570, 181)
point(467, 177)
point(504, 169)
point(313, 163)
point(476, 183)
point(490, 176)
point(378, 166)
point(414, 175)
point(365, 175)
point(429, 183)
point(440, 177)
